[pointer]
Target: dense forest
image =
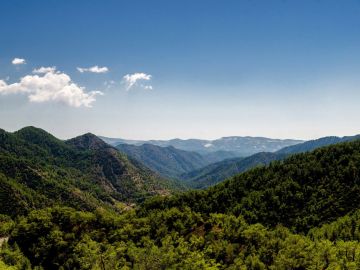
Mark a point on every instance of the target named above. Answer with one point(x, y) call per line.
point(300, 192)
point(38, 170)
point(298, 213)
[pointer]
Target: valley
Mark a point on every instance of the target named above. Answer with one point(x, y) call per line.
point(133, 207)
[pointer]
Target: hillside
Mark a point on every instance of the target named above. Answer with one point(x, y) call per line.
point(314, 193)
point(235, 145)
point(303, 191)
point(170, 162)
point(37, 170)
point(313, 144)
point(217, 172)
point(167, 161)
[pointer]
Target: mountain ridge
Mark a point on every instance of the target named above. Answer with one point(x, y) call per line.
point(167, 161)
point(83, 172)
point(214, 173)
point(302, 191)
point(240, 145)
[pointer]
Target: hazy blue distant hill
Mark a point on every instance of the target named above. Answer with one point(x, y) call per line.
point(217, 172)
point(239, 146)
point(220, 155)
point(313, 144)
point(167, 161)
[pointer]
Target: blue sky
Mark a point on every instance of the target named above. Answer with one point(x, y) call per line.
point(195, 69)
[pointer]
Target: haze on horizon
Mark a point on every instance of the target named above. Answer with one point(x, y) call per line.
point(181, 69)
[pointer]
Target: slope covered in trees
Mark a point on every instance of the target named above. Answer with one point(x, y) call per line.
point(299, 213)
point(37, 170)
point(171, 162)
point(167, 161)
point(217, 172)
point(174, 239)
point(313, 144)
point(303, 191)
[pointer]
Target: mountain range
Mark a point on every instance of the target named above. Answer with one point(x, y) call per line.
point(299, 192)
point(167, 161)
point(68, 205)
point(217, 172)
point(200, 170)
point(237, 146)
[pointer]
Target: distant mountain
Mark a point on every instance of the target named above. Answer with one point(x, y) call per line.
point(167, 161)
point(217, 172)
point(313, 144)
point(240, 146)
point(220, 155)
point(117, 141)
point(38, 170)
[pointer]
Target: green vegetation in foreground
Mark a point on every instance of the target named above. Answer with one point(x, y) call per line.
point(175, 239)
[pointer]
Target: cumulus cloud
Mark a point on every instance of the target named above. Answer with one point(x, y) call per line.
point(131, 80)
point(18, 61)
point(51, 86)
point(43, 70)
point(94, 69)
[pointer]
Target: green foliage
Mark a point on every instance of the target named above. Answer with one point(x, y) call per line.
point(12, 258)
point(170, 239)
point(6, 225)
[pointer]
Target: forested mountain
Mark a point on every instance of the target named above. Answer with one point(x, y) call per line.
point(38, 170)
point(300, 192)
point(217, 156)
point(217, 172)
point(313, 144)
point(248, 222)
point(239, 146)
point(167, 161)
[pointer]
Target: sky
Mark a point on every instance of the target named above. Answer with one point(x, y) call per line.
point(181, 69)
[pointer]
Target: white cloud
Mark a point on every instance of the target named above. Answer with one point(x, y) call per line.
point(18, 61)
point(51, 86)
point(94, 69)
point(131, 80)
point(43, 70)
